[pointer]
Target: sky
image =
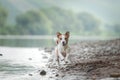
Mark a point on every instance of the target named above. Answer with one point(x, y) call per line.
point(107, 10)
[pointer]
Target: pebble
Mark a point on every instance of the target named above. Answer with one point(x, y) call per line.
point(50, 77)
point(115, 75)
point(1, 54)
point(43, 72)
point(48, 49)
point(57, 75)
point(45, 57)
point(29, 58)
point(30, 74)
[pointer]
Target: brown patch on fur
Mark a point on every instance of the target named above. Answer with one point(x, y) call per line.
point(67, 34)
point(59, 36)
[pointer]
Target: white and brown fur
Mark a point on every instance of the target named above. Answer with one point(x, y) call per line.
point(61, 50)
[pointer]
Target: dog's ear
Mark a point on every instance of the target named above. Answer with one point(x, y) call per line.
point(67, 33)
point(58, 34)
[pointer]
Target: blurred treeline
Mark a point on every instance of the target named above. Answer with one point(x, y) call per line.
point(46, 21)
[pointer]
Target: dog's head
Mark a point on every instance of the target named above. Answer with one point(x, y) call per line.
point(63, 38)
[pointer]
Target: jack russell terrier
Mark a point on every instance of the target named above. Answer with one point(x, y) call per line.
point(61, 52)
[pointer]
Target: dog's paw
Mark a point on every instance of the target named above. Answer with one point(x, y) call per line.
point(67, 62)
point(62, 62)
point(62, 59)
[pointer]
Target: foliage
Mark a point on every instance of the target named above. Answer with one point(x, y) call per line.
point(3, 18)
point(50, 20)
point(33, 22)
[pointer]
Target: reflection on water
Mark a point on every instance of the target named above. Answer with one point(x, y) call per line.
point(26, 42)
point(42, 41)
point(29, 42)
point(17, 63)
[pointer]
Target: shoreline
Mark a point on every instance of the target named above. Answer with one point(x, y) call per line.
point(91, 60)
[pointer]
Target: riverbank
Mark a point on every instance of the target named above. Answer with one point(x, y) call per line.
point(93, 60)
point(99, 59)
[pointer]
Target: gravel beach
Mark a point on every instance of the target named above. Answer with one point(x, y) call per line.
point(93, 60)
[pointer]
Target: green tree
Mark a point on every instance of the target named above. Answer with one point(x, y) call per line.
point(33, 22)
point(3, 16)
point(3, 20)
point(89, 22)
point(62, 20)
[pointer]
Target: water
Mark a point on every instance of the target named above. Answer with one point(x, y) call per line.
point(41, 41)
point(22, 57)
point(26, 42)
point(18, 63)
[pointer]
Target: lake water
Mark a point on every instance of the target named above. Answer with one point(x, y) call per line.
point(24, 56)
point(41, 41)
point(29, 41)
point(26, 42)
point(18, 63)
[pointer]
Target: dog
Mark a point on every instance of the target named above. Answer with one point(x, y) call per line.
point(61, 52)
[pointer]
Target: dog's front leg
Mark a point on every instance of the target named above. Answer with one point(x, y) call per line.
point(55, 58)
point(66, 59)
point(60, 56)
point(61, 59)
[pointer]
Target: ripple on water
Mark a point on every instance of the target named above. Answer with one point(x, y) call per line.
point(17, 63)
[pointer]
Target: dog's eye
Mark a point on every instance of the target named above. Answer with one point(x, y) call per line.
point(60, 38)
point(65, 38)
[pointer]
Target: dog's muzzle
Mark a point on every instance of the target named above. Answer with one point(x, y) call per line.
point(63, 43)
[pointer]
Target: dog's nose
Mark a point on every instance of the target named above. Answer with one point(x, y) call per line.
point(63, 43)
